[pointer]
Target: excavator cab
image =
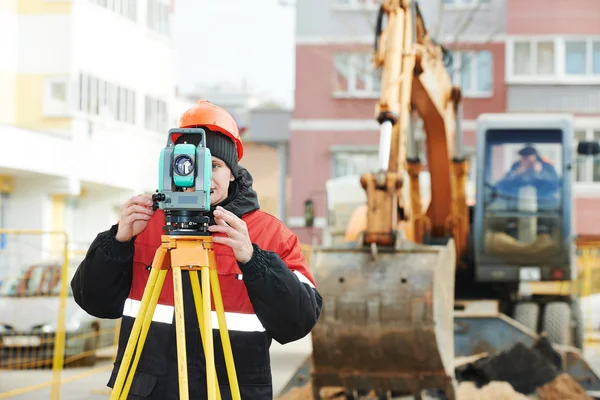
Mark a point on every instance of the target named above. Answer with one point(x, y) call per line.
point(523, 228)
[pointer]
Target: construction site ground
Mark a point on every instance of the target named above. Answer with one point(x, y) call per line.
point(285, 360)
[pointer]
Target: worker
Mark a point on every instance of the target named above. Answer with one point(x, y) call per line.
point(531, 169)
point(268, 291)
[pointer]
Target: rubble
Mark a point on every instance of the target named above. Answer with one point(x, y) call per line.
point(563, 387)
point(493, 390)
point(519, 373)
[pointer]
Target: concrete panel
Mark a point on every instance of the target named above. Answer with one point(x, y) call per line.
point(584, 99)
point(323, 18)
point(315, 85)
point(326, 18)
point(539, 17)
point(449, 24)
point(269, 126)
point(310, 163)
point(586, 216)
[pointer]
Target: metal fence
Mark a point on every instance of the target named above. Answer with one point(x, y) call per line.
point(42, 329)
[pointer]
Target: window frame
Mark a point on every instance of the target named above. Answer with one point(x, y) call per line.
point(588, 167)
point(456, 73)
point(559, 76)
point(585, 188)
point(48, 109)
point(336, 150)
point(371, 80)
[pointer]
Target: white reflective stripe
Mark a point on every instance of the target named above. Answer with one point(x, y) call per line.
point(304, 279)
point(163, 313)
point(239, 322)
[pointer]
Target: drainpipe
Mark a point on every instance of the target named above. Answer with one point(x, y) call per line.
point(282, 149)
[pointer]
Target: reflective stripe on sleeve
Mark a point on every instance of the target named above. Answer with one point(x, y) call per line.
point(304, 279)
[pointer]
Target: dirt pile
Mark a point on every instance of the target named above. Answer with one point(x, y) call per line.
point(513, 374)
point(493, 390)
point(563, 387)
point(534, 371)
point(305, 392)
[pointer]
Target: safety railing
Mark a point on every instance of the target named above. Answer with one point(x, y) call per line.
point(588, 262)
point(42, 329)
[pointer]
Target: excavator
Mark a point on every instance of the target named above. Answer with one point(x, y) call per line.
point(408, 287)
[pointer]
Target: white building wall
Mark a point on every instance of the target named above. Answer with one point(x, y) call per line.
point(44, 44)
point(9, 25)
point(110, 160)
point(121, 51)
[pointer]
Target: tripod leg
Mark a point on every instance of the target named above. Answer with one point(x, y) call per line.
point(209, 351)
point(135, 330)
point(162, 274)
point(197, 292)
point(231, 373)
point(180, 334)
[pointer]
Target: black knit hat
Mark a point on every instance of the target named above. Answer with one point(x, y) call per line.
point(219, 145)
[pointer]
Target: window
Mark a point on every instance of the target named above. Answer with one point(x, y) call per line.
point(125, 8)
point(157, 16)
point(555, 60)
point(156, 117)
point(97, 96)
point(355, 75)
point(354, 161)
point(56, 98)
point(534, 58)
point(587, 169)
point(473, 71)
point(582, 57)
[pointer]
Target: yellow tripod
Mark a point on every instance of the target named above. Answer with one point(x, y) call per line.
point(192, 253)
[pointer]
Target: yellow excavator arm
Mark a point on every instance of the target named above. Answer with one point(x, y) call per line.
point(414, 79)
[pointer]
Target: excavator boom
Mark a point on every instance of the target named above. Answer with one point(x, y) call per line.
point(388, 302)
point(414, 79)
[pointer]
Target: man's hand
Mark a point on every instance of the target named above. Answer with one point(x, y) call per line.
point(237, 234)
point(135, 215)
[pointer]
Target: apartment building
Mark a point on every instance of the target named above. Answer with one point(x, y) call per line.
point(508, 55)
point(87, 88)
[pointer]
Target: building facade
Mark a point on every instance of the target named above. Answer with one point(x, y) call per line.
point(508, 55)
point(87, 88)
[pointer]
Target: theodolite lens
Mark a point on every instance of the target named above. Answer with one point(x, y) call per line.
point(183, 165)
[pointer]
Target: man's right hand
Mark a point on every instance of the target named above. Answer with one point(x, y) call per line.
point(135, 214)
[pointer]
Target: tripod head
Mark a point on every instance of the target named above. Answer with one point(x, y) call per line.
point(185, 174)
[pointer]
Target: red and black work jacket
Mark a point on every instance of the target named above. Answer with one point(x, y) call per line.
point(273, 296)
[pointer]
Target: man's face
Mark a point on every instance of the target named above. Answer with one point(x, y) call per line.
point(219, 186)
point(221, 177)
point(529, 160)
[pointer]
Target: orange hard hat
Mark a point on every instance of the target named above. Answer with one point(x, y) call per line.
point(217, 119)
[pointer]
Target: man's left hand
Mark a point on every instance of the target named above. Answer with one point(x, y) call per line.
point(236, 234)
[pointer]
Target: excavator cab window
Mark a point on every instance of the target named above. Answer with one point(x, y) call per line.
point(523, 194)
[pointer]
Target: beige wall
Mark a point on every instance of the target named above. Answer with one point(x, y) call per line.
point(263, 163)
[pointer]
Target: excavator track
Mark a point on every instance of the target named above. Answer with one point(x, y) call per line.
point(387, 321)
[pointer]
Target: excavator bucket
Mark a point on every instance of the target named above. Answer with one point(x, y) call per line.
point(387, 320)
